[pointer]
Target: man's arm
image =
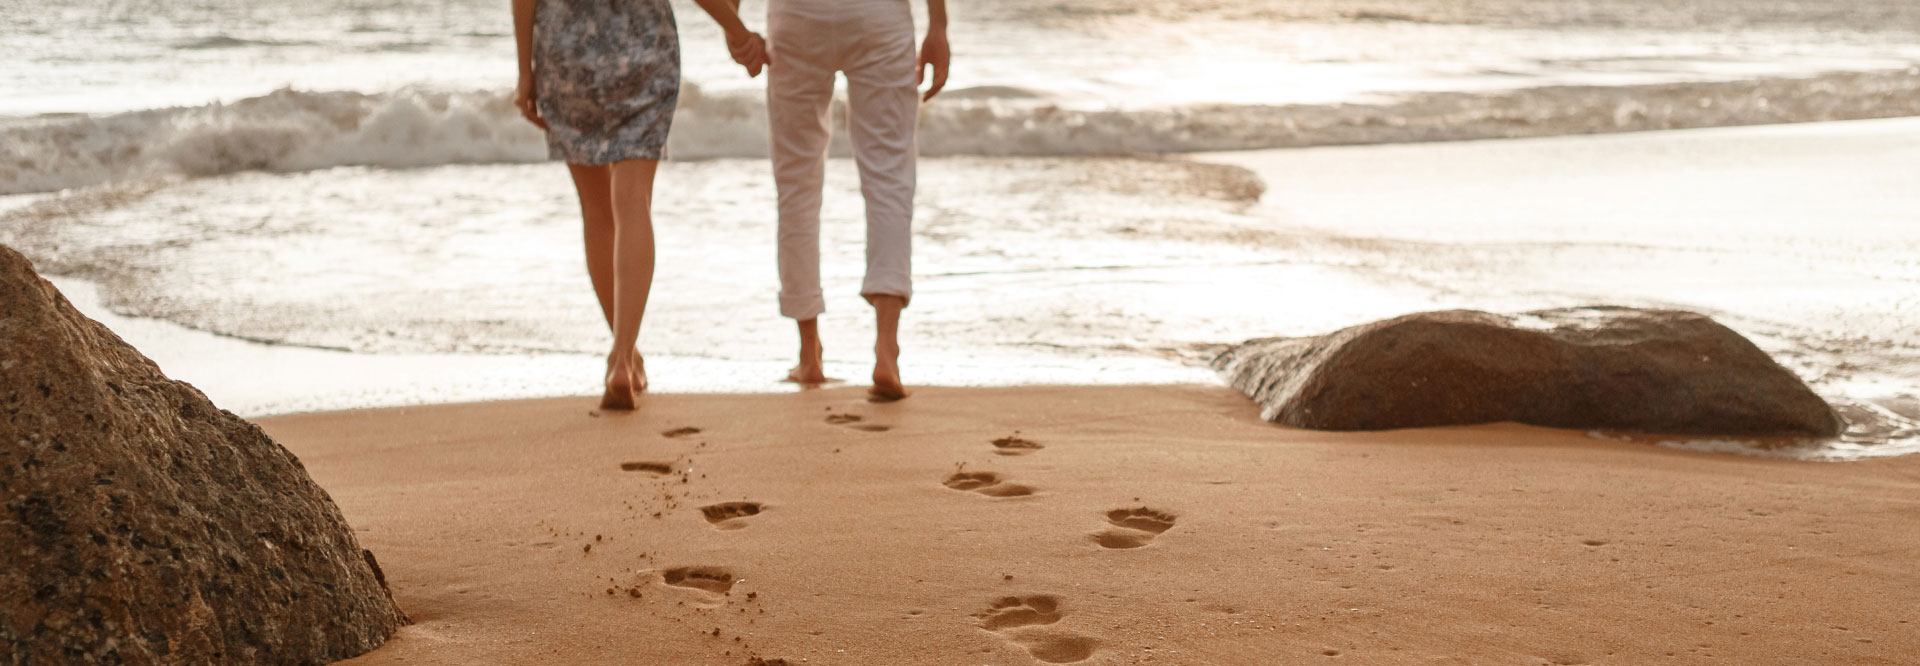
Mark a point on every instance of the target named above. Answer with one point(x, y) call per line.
point(934, 50)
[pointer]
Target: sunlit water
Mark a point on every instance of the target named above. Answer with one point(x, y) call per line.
point(119, 55)
point(346, 175)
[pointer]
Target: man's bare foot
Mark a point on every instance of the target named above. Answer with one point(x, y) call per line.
point(886, 375)
point(812, 369)
point(807, 374)
point(620, 387)
point(810, 372)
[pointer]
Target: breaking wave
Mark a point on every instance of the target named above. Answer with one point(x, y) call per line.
point(292, 130)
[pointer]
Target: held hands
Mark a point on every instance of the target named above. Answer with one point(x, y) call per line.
point(933, 52)
point(750, 50)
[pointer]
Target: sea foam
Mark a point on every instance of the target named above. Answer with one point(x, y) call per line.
point(293, 130)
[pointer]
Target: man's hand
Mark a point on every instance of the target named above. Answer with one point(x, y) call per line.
point(933, 52)
point(750, 50)
point(523, 97)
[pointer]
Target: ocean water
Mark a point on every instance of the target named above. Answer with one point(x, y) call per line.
point(347, 175)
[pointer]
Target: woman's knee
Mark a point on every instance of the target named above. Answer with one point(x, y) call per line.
point(633, 183)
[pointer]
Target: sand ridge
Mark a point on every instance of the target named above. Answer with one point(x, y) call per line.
point(1171, 526)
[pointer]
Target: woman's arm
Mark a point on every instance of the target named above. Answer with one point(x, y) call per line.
point(523, 94)
point(747, 47)
point(523, 34)
point(727, 14)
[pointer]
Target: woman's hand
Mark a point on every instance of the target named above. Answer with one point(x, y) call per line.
point(523, 97)
point(748, 49)
point(523, 94)
point(746, 46)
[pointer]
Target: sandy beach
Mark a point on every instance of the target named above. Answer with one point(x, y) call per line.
point(1111, 525)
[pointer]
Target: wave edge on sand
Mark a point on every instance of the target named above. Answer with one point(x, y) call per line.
point(292, 130)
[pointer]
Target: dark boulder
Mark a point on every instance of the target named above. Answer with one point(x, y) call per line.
point(1656, 371)
point(143, 525)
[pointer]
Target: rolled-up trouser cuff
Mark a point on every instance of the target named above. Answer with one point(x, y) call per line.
point(802, 308)
point(893, 287)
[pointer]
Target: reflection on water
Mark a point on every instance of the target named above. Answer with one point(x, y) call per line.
point(93, 56)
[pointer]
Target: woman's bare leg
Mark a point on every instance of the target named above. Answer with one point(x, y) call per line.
point(886, 348)
point(631, 188)
point(595, 186)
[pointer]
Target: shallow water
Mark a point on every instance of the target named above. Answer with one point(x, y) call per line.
point(1048, 269)
point(93, 92)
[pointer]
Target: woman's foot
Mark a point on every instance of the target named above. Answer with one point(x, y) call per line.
point(621, 385)
point(886, 375)
point(639, 373)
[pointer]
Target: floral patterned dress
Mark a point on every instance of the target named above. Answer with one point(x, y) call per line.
point(606, 78)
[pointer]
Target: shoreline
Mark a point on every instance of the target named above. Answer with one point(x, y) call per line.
point(311, 380)
point(223, 368)
point(531, 531)
point(1526, 252)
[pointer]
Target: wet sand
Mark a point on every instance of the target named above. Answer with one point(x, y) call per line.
point(1110, 525)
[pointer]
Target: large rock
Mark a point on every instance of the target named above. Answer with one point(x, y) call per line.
point(143, 525)
point(1658, 371)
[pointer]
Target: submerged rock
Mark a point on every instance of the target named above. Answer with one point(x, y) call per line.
point(143, 525)
point(1658, 371)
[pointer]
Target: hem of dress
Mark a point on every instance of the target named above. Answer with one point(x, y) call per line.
point(579, 160)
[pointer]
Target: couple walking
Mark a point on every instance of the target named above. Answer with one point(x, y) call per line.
point(602, 78)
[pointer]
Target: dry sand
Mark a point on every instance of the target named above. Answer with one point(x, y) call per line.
point(1151, 525)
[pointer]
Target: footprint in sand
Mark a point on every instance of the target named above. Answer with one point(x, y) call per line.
point(1057, 648)
point(1023, 620)
point(1015, 446)
point(678, 433)
point(986, 483)
point(730, 515)
point(1133, 528)
point(1008, 612)
point(708, 579)
point(854, 421)
point(654, 468)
